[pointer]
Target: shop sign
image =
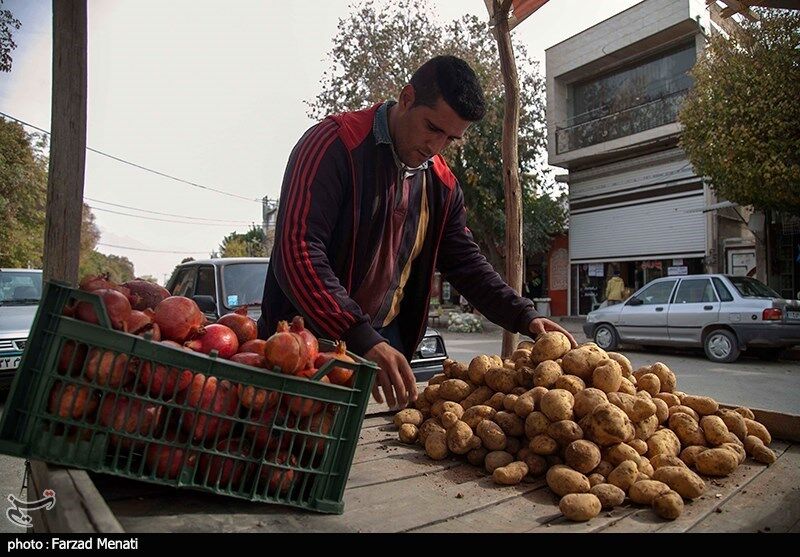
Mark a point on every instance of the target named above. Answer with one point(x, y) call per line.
point(676, 271)
point(596, 270)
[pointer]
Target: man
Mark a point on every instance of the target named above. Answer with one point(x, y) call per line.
point(615, 289)
point(368, 212)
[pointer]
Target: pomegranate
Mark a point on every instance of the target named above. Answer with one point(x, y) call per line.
point(338, 375)
point(258, 346)
point(321, 424)
point(241, 324)
point(72, 402)
point(225, 471)
point(262, 433)
point(208, 395)
point(215, 337)
point(274, 479)
point(72, 357)
point(301, 406)
point(249, 359)
point(108, 368)
point(118, 309)
point(164, 382)
point(285, 350)
point(312, 345)
point(179, 318)
point(166, 461)
point(139, 320)
point(257, 399)
point(145, 294)
point(129, 415)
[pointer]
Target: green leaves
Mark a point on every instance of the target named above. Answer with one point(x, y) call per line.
point(742, 120)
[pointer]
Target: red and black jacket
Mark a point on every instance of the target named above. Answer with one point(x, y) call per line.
point(332, 209)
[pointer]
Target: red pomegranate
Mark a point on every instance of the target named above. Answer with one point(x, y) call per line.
point(72, 357)
point(129, 416)
point(117, 305)
point(164, 382)
point(167, 461)
point(145, 294)
point(274, 479)
point(179, 318)
point(312, 345)
point(208, 395)
point(286, 350)
point(262, 432)
point(215, 337)
point(249, 359)
point(257, 399)
point(338, 375)
point(109, 368)
point(72, 402)
point(241, 324)
point(301, 406)
point(258, 346)
point(225, 471)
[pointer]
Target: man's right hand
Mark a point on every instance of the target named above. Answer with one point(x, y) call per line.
point(395, 377)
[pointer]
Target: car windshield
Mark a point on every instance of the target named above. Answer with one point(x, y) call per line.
point(751, 288)
point(243, 284)
point(20, 287)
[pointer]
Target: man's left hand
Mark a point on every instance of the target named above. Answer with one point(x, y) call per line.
point(541, 325)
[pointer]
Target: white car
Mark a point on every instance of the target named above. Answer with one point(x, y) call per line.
point(723, 314)
point(20, 292)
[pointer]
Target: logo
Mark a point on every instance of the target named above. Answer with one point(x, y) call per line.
point(17, 513)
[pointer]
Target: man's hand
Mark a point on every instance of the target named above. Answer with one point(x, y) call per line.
point(541, 325)
point(395, 376)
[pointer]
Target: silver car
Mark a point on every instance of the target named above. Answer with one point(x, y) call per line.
point(20, 291)
point(723, 314)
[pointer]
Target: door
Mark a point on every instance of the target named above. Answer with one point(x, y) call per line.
point(647, 321)
point(207, 286)
point(183, 284)
point(695, 305)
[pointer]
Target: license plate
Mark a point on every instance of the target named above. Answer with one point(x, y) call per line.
point(793, 315)
point(8, 363)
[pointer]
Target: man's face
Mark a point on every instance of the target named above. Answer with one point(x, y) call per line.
point(421, 131)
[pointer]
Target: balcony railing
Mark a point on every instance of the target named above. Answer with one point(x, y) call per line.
point(626, 122)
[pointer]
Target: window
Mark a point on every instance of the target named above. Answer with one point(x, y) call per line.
point(695, 291)
point(184, 283)
point(751, 288)
point(724, 294)
point(243, 284)
point(20, 287)
point(206, 282)
point(657, 293)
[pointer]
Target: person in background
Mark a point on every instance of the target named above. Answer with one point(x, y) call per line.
point(615, 289)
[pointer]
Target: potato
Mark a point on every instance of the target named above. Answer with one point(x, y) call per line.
point(669, 398)
point(478, 396)
point(478, 368)
point(455, 370)
point(763, 454)
point(520, 354)
point(543, 445)
point(564, 432)
point(581, 361)
point(459, 438)
point(563, 480)
point(619, 453)
point(681, 409)
point(449, 419)
point(408, 433)
point(661, 460)
point(523, 375)
point(650, 383)
point(688, 454)
point(627, 387)
point(436, 445)
point(514, 444)
point(734, 422)
point(607, 376)
point(587, 399)
point(610, 496)
point(682, 480)
point(509, 401)
point(663, 441)
point(497, 459)
point(423, 406)
point(645, 428)
point(549, 346)
point(738, 449)
point(536, 424)
point(524, 405)
point(546, 373)
point(716, 462)
point(703, 405)
point(511, 424)
point(537, 464)
point(636, 408)
point(511, 474)
point(604, 468)
point(500, 379)
point(668, 505)
point(624, 475)
point(454, 390)
point(437, 379)
point(624, 363)
point(687, 429)
point(582, 455)
point(745, 412)
point(496, 401)
point(408, 416)
point(662, 410)
point(757, 429)
point(608, 425)
point(597, 479)
point(491, 435)
point(580, 507)
point(557, 404)
point(640, 445)
point(537, 393)
point(571, 383)
point(474, 415)
point(526, 344)
point(476, 457)
point(665, 376)
point(429, 426)
point(645, 491)
point(715, 430)
point(431, 393)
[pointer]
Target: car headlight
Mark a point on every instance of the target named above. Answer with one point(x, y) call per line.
point(428, 347)
point(591, 318)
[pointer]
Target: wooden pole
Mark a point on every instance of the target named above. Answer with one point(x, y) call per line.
point(62, 231)
point(513, 190)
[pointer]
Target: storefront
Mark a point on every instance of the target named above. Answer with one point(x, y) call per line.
point(588, 289)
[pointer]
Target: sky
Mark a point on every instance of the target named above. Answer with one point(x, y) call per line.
point(210, 93)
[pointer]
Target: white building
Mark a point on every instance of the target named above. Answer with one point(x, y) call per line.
point(636, 204)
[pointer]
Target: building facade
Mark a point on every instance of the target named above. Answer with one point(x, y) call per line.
point(636, 205)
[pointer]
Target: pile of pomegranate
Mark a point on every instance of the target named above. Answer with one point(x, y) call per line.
point(224, 435)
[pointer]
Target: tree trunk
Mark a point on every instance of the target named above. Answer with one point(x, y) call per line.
point(67, 143)
point(513, 190)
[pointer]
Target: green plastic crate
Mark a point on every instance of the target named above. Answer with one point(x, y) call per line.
point(87, 396)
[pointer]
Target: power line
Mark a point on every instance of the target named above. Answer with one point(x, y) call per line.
point(152, 250)
point(139, 166)
point(165, 214)
point(195, 223)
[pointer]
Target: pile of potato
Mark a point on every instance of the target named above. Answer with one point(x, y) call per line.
point(598, 430)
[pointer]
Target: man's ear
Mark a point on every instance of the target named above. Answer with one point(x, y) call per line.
point(407, 96)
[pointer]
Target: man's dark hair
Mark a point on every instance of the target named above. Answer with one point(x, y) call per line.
point(452, 79)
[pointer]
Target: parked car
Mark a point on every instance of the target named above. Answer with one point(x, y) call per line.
point(723, 314)
point(20, 291)
point(221, 285)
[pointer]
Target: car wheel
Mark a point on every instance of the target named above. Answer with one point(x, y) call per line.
point(605, 336)
point(721, 346)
